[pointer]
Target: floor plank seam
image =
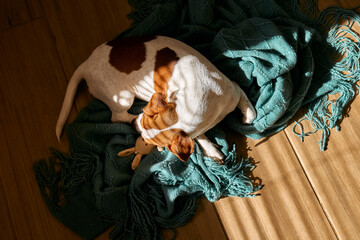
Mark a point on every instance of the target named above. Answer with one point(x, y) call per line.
point(221, 222)
point(11, 26)
point(12, 228)
point(313, 189)
point(31, 13)
point(52, 36)
point(31, 158)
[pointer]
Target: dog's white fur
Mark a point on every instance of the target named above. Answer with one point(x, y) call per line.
point(202, 94)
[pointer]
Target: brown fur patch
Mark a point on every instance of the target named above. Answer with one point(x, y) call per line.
point(176, 140)
point(160, 120)
point(164, 66)
point(163, 139)
point(158, 113)
point(128, 54)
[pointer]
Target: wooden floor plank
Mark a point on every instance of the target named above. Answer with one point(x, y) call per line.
point(34, 8)
point(30, 73)
point(335, 173)
point(287, 207)
point(78, 33)
point(7, 230)
point(13, 13)
point(12, 155)
point(323, 4)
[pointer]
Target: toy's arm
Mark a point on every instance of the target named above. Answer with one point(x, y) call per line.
point(126, 152)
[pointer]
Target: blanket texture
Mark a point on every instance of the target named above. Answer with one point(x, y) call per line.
point(277, 53)
point(95, 189)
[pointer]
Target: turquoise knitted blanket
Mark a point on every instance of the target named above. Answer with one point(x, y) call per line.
point(280, 56)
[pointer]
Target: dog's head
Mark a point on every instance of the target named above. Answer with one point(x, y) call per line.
point(155, 125)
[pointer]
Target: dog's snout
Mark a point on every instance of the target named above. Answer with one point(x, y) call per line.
point(134, 124)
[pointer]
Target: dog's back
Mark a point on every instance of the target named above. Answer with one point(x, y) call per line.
point(124, 68)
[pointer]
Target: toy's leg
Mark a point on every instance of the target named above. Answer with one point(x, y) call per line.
point(246, 108)
point(210, 149)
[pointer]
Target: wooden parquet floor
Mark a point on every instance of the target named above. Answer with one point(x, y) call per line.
point(308, 194)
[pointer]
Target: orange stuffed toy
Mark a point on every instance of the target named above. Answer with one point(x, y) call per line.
point(141, 148)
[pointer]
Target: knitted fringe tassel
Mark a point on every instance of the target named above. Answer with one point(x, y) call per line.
point(325, 114)
point(142, 221)
point(229, 179)
point(59, 178)
point(232, 177)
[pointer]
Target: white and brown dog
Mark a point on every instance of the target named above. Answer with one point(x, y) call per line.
point(187, 94)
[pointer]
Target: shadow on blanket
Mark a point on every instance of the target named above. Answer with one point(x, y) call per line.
point(100, 188)
point(277, 54)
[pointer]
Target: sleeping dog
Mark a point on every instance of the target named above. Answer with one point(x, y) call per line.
point(186, 94)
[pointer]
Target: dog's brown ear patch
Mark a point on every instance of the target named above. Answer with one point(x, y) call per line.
point(156, 104)
point(176, 140)
point(182, 145)
point(128, 54)
point(159, 113)
point(165, 61)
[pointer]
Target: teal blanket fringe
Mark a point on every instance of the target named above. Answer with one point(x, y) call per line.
point(283, 59)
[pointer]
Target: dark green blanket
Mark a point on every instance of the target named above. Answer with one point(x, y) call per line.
point(99, 189)
point(279, 56)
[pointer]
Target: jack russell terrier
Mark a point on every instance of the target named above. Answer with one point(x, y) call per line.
point(186, 94)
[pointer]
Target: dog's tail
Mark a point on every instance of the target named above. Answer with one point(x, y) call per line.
point(68, 100)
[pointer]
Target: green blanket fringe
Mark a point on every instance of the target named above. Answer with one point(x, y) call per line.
point(325, 114)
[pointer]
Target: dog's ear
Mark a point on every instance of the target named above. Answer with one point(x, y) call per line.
point(157, 104)
point(182, 146)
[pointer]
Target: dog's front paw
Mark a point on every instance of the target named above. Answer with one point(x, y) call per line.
point(215, 154)
point(249, 116)
point(210, 149)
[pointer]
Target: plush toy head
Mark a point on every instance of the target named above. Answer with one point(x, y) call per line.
point(141, 148)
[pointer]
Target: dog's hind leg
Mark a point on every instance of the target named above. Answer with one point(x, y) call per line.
point(246, 108)
point(120, 106)
point(122, 116)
